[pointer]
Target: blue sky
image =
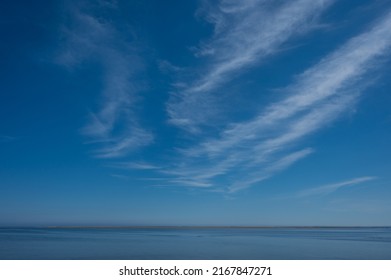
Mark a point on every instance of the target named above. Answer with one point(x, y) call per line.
point(253, 112)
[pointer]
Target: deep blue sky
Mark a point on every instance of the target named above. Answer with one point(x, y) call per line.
point(253, 112)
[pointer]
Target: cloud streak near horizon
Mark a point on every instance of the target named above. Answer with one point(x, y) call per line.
point(328, 189)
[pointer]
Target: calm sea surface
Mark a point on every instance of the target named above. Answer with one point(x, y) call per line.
point(196, 243)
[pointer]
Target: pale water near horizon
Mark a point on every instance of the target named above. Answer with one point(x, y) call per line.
point(196, 243)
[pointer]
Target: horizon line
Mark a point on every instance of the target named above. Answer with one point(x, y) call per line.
point(188, 227)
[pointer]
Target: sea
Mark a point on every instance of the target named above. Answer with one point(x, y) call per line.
point(366, 243)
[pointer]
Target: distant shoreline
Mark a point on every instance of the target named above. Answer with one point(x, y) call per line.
point(213, 227)
point(190, 227)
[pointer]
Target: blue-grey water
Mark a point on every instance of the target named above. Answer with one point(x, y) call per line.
point(196, 243)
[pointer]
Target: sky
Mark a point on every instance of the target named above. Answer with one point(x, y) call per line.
point(199, 112)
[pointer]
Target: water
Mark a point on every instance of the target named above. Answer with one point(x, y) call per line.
point(196, 243)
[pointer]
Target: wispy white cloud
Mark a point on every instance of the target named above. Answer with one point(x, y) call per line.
point(328, 189)
point(252, 151)
point(135, 165)
point(245, 153)
point(123, 144)
point(332, 77)
point(270, 170)
point(246, 32)
point(89, 37)
point(190, 183)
